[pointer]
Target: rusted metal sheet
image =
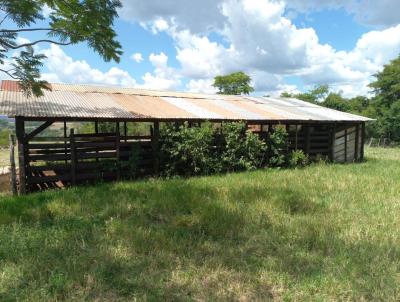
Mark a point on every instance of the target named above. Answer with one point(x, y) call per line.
point(87, 101)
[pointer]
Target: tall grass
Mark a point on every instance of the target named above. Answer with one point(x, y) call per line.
point(326, 232)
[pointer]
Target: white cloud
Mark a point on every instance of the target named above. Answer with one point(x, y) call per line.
point(163, 76)
point(197, 16)
point(370, 12)
point(137, 57)
point(63, 68)
point(255, 37)
point(201, 86)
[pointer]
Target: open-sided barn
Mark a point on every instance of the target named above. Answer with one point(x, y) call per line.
point(69, 159)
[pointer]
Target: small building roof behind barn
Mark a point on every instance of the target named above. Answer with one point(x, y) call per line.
point(87, 102)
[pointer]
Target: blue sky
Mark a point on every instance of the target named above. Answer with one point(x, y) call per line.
point(286, 45)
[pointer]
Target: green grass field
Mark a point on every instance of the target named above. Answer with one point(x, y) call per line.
point(323, 233)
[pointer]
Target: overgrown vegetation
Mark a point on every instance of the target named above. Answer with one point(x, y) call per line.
point(208, 149)
point(323, 233)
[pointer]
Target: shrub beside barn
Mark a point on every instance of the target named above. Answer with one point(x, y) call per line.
point(73, 158)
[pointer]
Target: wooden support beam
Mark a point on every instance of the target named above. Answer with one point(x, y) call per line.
point(73, 157)
point(13, 180)
point(307, 139)
point(155, 146)
point(39, 129)
point(357, 142)
point(362, 141)
point(125, 131)
point(332, 143)
point(65, 140)
point(345, 145)
point(20, 132)
point(118, 150)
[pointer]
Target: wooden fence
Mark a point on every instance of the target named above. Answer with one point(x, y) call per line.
point(52, 162)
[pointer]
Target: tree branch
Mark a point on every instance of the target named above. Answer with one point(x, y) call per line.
point(8, 73)
point(36, 42)
point(5, 17)
point(30, 29)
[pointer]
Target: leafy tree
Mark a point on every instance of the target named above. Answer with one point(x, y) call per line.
point(235, 83)
point(313, 96)
point(387, 99)
point(69, 22)
point(337, 102)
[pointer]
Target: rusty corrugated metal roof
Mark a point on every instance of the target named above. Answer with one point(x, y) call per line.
point(87, 101)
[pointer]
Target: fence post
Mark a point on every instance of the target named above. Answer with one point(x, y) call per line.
point(118, 150)
point(155, 145)
point(13, 179)
point(20, 132)
point(73, 156)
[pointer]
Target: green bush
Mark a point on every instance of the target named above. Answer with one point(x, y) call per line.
point(276, 146)
point(205, 150)
point(298, 158)
point(187, 150)
point(241, 149)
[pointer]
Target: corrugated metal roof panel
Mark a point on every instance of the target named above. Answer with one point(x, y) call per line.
point(86, 101)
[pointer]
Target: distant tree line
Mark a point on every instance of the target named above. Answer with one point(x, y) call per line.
point(384, 106)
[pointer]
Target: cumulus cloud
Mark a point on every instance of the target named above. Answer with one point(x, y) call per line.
point(163, 77)
point(370, 12)
point(197, 16)
point(137, 57)
point(256, 37)
point(62, 68)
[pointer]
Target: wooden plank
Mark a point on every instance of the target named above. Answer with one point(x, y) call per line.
point(356, 143)
point(362, 140)
point(47, 157)
point(155, 147)
point(50, 139)
point(73, 157)
point(307, 139)
point(13, 179)
point(345, 144)
point(54, 167)
point(118, 151)
point(47, 146)
point(20, 133)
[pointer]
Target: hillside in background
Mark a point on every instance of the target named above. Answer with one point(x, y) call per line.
point(325, 232)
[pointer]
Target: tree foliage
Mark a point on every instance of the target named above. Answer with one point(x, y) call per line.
point(384, 107)
point(235, 83)
point(69, 22)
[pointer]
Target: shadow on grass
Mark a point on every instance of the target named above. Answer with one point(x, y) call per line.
point(176, 240)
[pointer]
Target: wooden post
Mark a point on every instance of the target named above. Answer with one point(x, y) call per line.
point(65, 142)
point(297, 137)
point(307, 139)
point(333, 139)
point(96, 130)
point(20, 132)
point(345, 144)
point(155, 145)
point(118, 149)
point(13, 179)
point(125, 132)
point(73, 157)
point(357, 143)
point(362, 141)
